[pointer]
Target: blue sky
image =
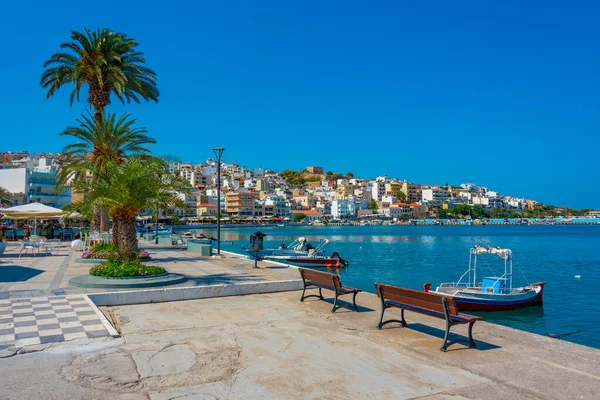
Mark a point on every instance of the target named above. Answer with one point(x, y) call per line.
point(503, 94)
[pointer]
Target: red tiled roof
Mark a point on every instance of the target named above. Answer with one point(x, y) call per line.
point(306, 212)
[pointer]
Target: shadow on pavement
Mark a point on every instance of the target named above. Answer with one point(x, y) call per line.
point(223, 279)
point(16, 273)
point(454, 337)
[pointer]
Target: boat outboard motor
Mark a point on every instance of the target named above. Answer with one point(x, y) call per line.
point(335, 254)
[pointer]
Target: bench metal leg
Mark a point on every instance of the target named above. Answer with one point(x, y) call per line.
point(303, 291)
point(354, 301)
point(445, 344)
point(381, 323)
point(304, 296)
point(403, 322)
point(471, 341)
point(335, 302)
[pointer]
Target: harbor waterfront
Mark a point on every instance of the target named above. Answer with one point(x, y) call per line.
point(565, 257)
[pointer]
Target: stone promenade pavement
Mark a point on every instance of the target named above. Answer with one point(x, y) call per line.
point(38, 305)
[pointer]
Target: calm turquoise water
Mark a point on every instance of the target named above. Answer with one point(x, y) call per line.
point(412, 255)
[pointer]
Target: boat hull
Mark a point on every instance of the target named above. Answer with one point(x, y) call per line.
point(499, 302)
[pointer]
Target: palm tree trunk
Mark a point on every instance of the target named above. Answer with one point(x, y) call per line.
point(128, 240)
point(104, 219)
point(95, 223)
point(99, 99)
point(116, 235)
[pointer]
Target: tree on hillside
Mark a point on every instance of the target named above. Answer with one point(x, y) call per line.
point(478, 212)
point(349, 174)
point(401, 197)
point(105, 61)
point(97, 144)
point(298, 217)
point(442, 213)
point(462, 210)
point(372, 205)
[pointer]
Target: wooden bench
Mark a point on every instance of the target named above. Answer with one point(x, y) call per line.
point(325, 280)
point(432, 304)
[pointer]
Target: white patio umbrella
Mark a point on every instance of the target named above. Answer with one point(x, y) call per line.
point(33, 210)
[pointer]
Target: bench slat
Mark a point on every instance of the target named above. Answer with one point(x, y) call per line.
point(420, 299)
point(460, 318)
point(324, 286)
point(317, 276)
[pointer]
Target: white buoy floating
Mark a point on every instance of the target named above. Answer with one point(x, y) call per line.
point(577, 276)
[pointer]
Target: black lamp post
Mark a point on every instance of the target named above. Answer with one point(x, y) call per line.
point(218, 153)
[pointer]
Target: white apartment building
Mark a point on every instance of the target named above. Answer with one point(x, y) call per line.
point(209, 170)
point(378, 190)
point(281, 208)
point(387, 200)
point(36, 182)
point(401, 210)
point(343, 209)
point(481, 201)
point(435, 195)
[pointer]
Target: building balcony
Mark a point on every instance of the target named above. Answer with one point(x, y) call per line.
point(46, 185)
point(49, 195)
point(42, 174)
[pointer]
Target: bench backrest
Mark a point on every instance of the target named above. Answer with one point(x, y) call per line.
point(430, 301)
point(324, 278)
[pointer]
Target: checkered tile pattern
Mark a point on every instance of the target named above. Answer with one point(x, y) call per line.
point(39, 320)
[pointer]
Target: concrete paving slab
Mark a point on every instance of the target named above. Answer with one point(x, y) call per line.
point(277, 347)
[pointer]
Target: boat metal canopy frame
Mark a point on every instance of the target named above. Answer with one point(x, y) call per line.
point(471, 273)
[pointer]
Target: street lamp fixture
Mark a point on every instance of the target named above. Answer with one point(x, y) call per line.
point(218, 153)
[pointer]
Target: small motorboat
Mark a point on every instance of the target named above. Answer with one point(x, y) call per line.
point(298, 247)
point(493, 293)
point(306, 261)
point(188, 235)
point(312, 260)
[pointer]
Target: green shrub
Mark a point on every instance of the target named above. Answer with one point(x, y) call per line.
point(118, 269)
point(104, 247)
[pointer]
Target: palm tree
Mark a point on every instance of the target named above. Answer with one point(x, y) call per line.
point(125, 189)
point(107, 62)
point(5, 197)
point(97, 145)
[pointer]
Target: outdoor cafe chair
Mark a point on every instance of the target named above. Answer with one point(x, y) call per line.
point(57, 233)
point(68, 234)
point(51, 245)
point(10, 234)
point(19, 233)
point(106, 237)
point(27, 245)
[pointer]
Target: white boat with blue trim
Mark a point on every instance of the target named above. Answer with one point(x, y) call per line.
point(493, 293)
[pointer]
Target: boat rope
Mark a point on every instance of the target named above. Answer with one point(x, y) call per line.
point(488, 265)
point(562, 335)
point(522, 273)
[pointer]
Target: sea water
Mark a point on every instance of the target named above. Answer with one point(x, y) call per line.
point(566, 257)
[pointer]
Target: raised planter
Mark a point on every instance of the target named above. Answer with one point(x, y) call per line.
point(202, 246)
point(90, 281)
point(97, 261)
point(90, 260)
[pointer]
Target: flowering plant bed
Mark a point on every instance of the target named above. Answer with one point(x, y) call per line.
point(119, 269)
point(107, 251)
